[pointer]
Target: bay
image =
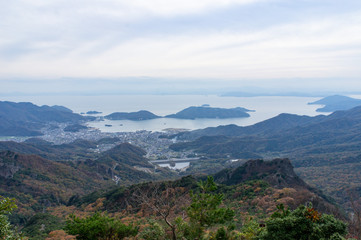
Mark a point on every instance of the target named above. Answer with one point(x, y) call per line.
point(265, 108)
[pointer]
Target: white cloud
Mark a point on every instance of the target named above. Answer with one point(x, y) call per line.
point(175, 7)
point(100, 39)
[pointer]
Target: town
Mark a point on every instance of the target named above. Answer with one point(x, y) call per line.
point(154, 143)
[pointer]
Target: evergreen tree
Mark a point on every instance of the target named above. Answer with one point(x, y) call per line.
point(205, 211)
point(98, 227)
point(304, 223)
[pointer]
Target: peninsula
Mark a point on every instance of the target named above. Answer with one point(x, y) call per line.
point(336, 103)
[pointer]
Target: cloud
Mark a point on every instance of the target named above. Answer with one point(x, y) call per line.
point(226, 39)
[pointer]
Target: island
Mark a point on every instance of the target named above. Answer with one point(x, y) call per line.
point(93, 112)
point(134, 116)
point(210, 112)
point(336, 103)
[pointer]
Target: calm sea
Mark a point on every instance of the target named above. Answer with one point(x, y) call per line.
point(265, 108)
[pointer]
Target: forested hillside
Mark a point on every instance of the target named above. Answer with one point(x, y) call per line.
point(27, 119)
point(258, 200)
point(324, 149)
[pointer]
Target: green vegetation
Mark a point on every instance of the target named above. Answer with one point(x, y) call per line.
point(205, 211)
point(185, 210)
point(40, 225)
point(7, 231)
point(304, 223)
point(154, 231)
point(98, 226)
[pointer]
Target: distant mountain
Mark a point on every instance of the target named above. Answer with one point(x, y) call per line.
point(273, 125)
point(297, 136)
point(134, 116)
point(336, 103)
point(26, 119)
point(209, 112)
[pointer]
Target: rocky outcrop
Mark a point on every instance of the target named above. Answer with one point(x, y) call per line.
point(278, 173)
point(8, 165)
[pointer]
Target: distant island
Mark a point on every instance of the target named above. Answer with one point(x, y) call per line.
point(93, 112)
point(134, 116)
point(204, 111)
point(336, 102)
point(210, 112)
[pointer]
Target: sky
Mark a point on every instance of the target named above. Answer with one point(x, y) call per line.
point(114, 45)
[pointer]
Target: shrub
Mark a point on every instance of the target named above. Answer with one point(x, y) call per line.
point(98, 227)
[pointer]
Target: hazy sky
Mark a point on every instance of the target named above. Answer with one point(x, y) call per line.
point(228, 41)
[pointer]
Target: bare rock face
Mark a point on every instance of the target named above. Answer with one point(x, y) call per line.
point(278, 173)
point(8, 165)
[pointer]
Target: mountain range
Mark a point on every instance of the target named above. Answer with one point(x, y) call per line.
point(320, 145)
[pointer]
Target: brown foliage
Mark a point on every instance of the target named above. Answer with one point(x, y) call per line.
point(59, 235)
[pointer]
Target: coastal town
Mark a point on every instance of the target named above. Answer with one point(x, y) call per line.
point(154, 143)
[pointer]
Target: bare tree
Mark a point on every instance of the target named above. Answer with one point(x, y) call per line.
point(164, 201)
point(355, 218)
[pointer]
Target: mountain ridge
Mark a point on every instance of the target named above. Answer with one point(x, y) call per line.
point(27, 119)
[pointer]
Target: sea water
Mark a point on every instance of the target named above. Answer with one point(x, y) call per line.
point(264, 107)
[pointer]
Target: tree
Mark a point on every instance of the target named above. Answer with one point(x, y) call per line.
point(7, 231)
point(355, 218)
point(165, 201)
point(98, 227)
point(205, 211)
point(304, 223)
